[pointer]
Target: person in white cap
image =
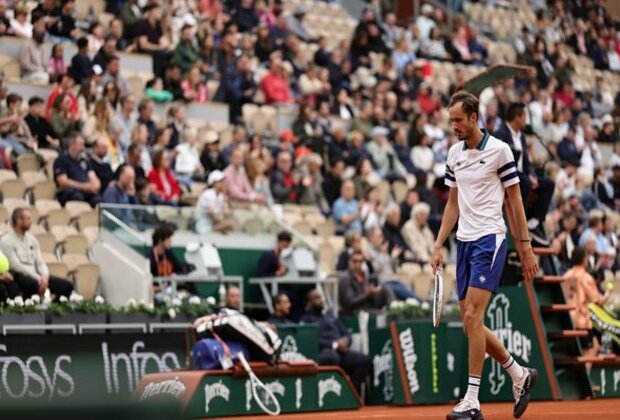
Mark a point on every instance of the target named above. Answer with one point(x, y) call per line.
point(384, 156)
point(425, 21)
point(213, 210)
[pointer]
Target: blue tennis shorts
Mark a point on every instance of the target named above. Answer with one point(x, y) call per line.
point(480, 263)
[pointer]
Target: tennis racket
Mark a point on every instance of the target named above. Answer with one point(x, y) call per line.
point(437, 298)
point(262, 395)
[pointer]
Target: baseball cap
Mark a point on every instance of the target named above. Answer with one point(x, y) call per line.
point(215, 176)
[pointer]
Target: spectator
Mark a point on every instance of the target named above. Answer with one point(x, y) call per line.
point(295, 24)
point(32, 59)
point(187, 164)
point(211, 157)
point(106, 52)
point(433, 47)
point(122, 190)
point(17, 134)
point(123, 119)
point(335, 342)
point(56, 66)
point(194, 89)
point(98, 123)
point(151, 40)
point(285, 182)
point(99, 163)
point(333, 180)
point(257, 168)
point(275, 84)
point(417, 233)
point(352, 243)
point(311, 183)
point(281, 310)
point(176, 124)
point(65, 86)
point(269, 263)
point(162, 179)
point(581, 290)
point(113, 75)
point(81, 64)
point(237, 88)
point(63, 26)
point(20, 25)
point(346, 210)
point(357, 293)
point(567, 148)
point(338, 146)
point(162, 259)
point(237, 184)
point(392, 232)
point(246, 16)
point(422, 155)
point(63, 121)
point(383, 155)
point(478, 52)
point(29, 271)
point(39, 127)
point(146, 108)
point(425, 22)
point(186, 52)
point(213, 210)
point(595, 229)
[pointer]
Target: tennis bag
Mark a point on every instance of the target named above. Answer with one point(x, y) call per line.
point(208, 353)
point(605, 323)
point(262, 343)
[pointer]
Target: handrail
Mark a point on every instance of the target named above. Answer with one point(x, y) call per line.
point(38, 327)
point(121, 224)
point(140, 326)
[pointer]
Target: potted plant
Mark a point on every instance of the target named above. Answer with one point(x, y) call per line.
point(75, 310)
point(408, 309)
point(134, 313)
point(20, 311)
point(186, 311)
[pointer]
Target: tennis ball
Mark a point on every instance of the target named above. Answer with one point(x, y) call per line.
point(4, 264)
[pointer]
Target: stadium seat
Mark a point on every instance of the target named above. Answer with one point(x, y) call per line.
point(86, 279)
point(61, 232)
point(4, 215)
point(49, 258)
point(253, 226)
point(27, 162)
point(47, 155)
point(74, 260)
point(326, 229)
point(75, 208)
point(11, 204)
point(91, 233)
point(7, 175)
point(303, 227)
point(384, 191)
point(12, 70)
point(75, 244)
point(44, 190)
point(399, 189)
point(13, 188)
point(57, 217)
point(44, 206)
point(337, 243)
point(47, 242)
point(58, 269)
point(31, 178)
point(88, 219)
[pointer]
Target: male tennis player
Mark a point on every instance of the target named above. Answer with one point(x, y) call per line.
point(480, 170)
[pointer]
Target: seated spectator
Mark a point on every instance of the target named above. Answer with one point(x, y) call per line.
point(383, 155)
point(342, 105)
point(311, 184)
point(296, 25)
point(257, 150)
point(269, 263)
point(434, 47)
point(194, 88)
point(56, 66)
point(211, 157)
point(163, 180)
point(335, 342)
point(580, 291)
point(477, 50)
point(124, 119)
point(107, 51)
point(239, 141)
point(246, 16)
point(32, 59)
point(20, 25)
point(134, 159)
point(333, 180)
point(146, 108)
point(371, 209)
point(264, 45)
point(113, 74)
point(402, 55)
point(346, 210)
point(213, 212)
point(16, 134)
point(237, 183)
point(422, 155)
point(403, 151)
point(595, 229)
point(281, 310)
point(40, 128)
point(81, 64)
point(122, 190)
point(187, 163)
point(95, 37)
point(65, 87)
point(357, 149)
point(99, 162)
point(176, 118)
point(162, 260)
point(64, 122)
point(460, 45)
point(63, 26)
point(186, 53)
point(237, 87)
point(275, 84)
point(396, 240)
point(285, 182)
point(74, 176)
point(356, 292)
point(352, 242)
point(338, 146)
point(417, 234)
point(97, 124)
point(29, 271)
point(365, 178)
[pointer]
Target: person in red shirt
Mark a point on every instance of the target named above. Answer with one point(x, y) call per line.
point(162, 180)
point(64, 86)
point(275, 84)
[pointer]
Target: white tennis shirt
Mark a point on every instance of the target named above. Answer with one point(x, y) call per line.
point(481, 175)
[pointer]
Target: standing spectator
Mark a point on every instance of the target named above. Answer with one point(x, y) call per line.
point(212, 210)
point(237, 184)
point(99, 162)
point(74, 176)
point(151, 38)
point(335, 342)
point(285, 183)
point(162, 179)
point(32, 59)
point(346, 210)
point(28, 269)
point(81, 64)
point(39, 126)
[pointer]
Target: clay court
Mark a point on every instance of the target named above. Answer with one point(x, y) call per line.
point(607, 409)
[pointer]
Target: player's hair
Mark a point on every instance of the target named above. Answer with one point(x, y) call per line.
point(577, 257)
point(469, 102)
point(514, 110)
point(284, 236)
point(161, 233)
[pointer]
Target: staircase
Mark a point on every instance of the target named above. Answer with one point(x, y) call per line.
point(568, 363)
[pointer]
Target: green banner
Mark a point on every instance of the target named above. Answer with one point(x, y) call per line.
point(55, 367)
point(299, 341)
point(608, 379)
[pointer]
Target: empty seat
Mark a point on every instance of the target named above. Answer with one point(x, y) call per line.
point(91, 234)
point(48, 155)
point(37, 229)
point(11, 204)
point(47, 242)
point(44, 206)
point(4, 215)
point(88, 219)
point(58, 269)
point(32, 178)
point(6, 175)
point(75, 244)
point(13, 188)
point(75, 208)
point(49, 258)
point(86, 279)
point(61, 232)
point(27, 162)
point(303, 227)
point(400, 189)
point(44, 190)
point(253, 226)
point(326, 229)
point(74, 260)
point(58, 217)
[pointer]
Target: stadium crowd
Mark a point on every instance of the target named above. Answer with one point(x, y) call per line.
point(360, 121)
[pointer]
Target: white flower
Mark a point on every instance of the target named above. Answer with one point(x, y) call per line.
point(194, 300)
point(131, 302)
point(28, 302)
point(211, 301)
point(413, 302)
point(36, 299)
point(172, 313)
point(75, 297)
point(47, 300)
point(142, 302)
point(63, 299)
point(99, 300)
point(150, 306)
point(19, 301)
point(47, 294)
point(426, 306)
point(176, 302)
point(10, 302)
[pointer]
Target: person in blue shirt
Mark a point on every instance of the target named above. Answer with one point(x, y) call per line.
point(334, 342)
point(346, 210)
point(74, 176)
point(122, 191)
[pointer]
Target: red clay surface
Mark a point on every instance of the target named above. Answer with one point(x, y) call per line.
point(604, 409)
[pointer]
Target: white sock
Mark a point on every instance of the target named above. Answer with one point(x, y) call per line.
point(473, 386)
point(514, 369)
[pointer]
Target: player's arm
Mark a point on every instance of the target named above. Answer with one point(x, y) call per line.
point(520, 231)
point(448, 220)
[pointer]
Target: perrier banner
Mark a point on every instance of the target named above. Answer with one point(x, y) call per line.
point(415, 363)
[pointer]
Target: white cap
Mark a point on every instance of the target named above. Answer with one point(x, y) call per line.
point(215, 176)
point(379, 131)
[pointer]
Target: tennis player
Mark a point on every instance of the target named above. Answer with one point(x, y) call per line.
point(480, 172)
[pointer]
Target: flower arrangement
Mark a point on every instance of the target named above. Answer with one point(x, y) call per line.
point(193, 306)
point(77, 304)
point(19, 305)
point(410, 308)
